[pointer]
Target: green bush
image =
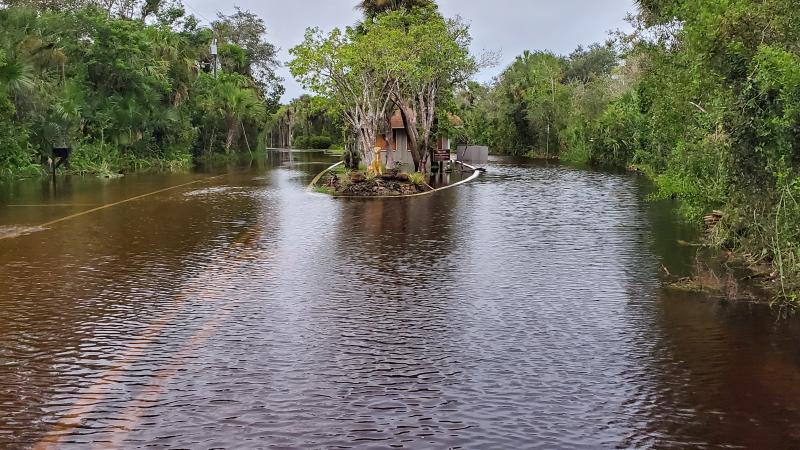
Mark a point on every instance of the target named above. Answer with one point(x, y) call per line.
point(312, 142)
point(17, 158)
point(616, 134)
point(320, 142)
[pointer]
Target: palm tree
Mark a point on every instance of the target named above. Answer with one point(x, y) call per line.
point(17, 68)
point(16, 74)
point(372, 8)
point(234, 100)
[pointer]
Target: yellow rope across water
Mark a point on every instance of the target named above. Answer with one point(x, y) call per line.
point(52, 205)
point(89, 211)
point(474, 175)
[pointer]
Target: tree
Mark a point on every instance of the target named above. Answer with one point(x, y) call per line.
point(167, 11)
point(346, 66)
point(428, 57)
point(658, 11)
point(584, 64)
point(373, 8)
point(308, 122)
point(529, 103)
point(406, 57)
point(121, 92)
point(260, 58)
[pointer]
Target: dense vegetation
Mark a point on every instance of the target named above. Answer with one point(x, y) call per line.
point(704, 98)
point(307, 122)
point(128, 84)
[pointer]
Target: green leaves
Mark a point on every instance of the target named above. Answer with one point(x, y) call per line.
point(372, 8)
point(122, 91)
point(16, 75)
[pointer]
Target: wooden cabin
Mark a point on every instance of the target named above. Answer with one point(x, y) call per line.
point(401, 151)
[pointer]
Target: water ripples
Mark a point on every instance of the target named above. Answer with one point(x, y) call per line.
point(522, 310)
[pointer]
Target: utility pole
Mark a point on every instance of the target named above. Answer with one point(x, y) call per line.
point(552, 113)
point(548, 142)
point(214, 55)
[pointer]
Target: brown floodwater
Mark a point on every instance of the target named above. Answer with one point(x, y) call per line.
point(232, 309)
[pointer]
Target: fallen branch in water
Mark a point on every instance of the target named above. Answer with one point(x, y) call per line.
point(683, 243)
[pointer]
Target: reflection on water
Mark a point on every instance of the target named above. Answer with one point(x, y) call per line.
point(521, 310)
point(12, 231)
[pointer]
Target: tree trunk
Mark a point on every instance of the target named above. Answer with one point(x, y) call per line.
point(233, 135)
point(290, 134)
point(390, 141)
point(211, 141)
point(246, 141)
point(366, 136)
point(427, 113)
point(410, 125)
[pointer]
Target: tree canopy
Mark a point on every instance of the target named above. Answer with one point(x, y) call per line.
point(125, 92)
point(373, 8)
point(405, 58)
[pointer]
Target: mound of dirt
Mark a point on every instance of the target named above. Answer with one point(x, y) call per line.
point(386, 185)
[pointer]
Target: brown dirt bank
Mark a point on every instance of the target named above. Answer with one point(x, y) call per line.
point(357, 184)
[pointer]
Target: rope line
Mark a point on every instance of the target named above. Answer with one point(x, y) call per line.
point(138, 197)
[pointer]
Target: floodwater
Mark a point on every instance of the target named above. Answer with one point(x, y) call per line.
point(521, 310)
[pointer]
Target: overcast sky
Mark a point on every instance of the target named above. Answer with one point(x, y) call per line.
point(508, 26)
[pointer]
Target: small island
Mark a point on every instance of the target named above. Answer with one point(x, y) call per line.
point(392, 78)
point(352, 178)
point(340, 181)
point(344, 182)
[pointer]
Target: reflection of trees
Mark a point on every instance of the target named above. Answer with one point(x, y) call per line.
point(445, 178)
point(667, 228)
point(701, 371)
point(401, 253)
point(394, 315)
point(710, 370)
point(410, 235)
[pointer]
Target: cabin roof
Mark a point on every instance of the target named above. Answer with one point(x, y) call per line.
point(397, 120)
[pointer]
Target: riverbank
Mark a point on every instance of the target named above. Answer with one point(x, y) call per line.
point(725, 276)
point(82, 164)
point(733, 260)
point(150, 109)
point(740, 257)
point(121, 165)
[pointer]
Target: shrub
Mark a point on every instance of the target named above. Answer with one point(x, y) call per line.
point(417, 178)
point(313, 142)
point(320, 142)
point(617, 133)
point(16, 156)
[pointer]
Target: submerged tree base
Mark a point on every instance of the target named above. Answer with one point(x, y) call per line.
point(727, 276)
